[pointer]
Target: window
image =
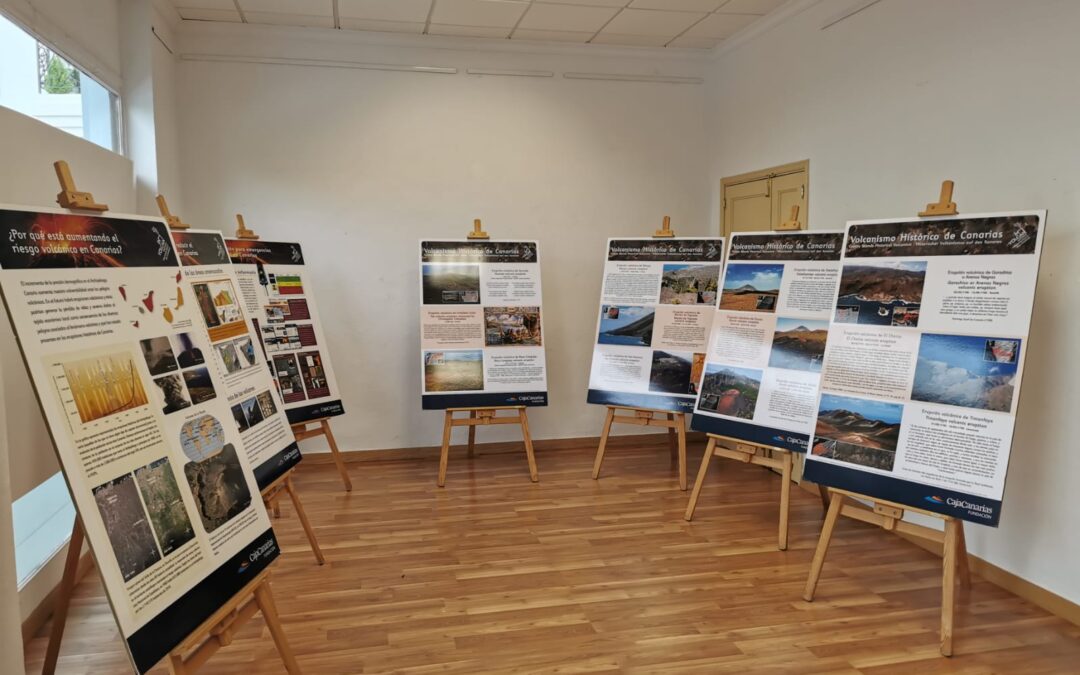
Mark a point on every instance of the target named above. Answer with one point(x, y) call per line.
point(42, 519)
point(38, 82)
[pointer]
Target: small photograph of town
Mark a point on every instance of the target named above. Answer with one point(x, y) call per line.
point(512, 326)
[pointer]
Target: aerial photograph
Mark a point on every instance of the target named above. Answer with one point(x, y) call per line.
point(885, 293)
point(127, 526)
point(163, 502)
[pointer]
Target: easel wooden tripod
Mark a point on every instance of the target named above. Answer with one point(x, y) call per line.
point(889, 515)
point(284, 482)
point(748, 454)
point(321, 427)
point(218, 630)
point(674, 422)
point(485, 415)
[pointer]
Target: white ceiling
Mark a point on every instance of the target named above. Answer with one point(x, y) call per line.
point(695, 24)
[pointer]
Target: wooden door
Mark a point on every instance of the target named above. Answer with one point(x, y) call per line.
point(760, 201)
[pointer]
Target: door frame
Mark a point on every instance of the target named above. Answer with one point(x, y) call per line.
point(751, 176)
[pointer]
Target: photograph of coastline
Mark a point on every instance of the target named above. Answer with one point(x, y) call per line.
point(214, 472)
point(858, 431)
point(966, 371)
point(127, 525)
point(454, 370)
point(671, 373)
point(168, 515)
point(882, 294)
point(752, 287)
point(730, 391)
point(689, 284)
point(799, 344)
point(451, 284)
point(512, 326)
point(104, 385)
point(626, 325)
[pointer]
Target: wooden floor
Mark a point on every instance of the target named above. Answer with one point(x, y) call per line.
point(494, 574)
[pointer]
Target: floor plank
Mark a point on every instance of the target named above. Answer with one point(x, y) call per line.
point(494, 574)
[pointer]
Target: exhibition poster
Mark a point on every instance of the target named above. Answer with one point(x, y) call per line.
point(656, 310)
point(276, 291)
point(249, 390)
point(768, 338)
point(117, 352)
point(481, 329)
point(924, 359)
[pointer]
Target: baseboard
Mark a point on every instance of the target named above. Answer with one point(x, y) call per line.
point(1018, 586)
point(545, 445)
point(44, 610)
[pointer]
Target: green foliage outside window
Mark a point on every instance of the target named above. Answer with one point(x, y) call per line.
point(60, 78)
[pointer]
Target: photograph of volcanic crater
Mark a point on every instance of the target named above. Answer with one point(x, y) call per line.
point(858, 431)
point(730, 391)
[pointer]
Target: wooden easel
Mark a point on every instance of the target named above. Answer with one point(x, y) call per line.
point(674, 422)
point(301, 430)
point(284, 482)
point(748, 454)
point(890, 515)
point(484, 415)
point(218, 630)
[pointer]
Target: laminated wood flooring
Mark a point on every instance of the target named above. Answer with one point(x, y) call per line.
point(493, 574)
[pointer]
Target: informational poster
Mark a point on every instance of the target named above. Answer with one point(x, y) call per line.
point(256, 407)
point(924, 359)
point(117, 352)
point(764, 361)
point(275, 288)
point(656, 310)
point(481, 324)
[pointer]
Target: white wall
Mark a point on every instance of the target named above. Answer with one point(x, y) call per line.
point(27, 178)
point(358, 165)
point(888, 103)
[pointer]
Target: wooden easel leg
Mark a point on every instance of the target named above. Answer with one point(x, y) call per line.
point(948, 586)
point(303, 520)
point(680, 432)
point(671, 442)
point(962, 556)
point(534, 475)
point(785, 499)
point(472, 434)
point(176, 664)
point(705, 462)
point(444, 455)
point(337, 455)
point(265, 599)
point(63, 598)
point(603, 443)
point(836, 501)
point(823, 492)
point(275, 507)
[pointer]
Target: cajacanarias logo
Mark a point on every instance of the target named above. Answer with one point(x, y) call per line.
point(934, 499)
point(264, 549)
point(791, 440)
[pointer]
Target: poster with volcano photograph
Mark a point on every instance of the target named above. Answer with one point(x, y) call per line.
point(656, 305)
point(923, 359)
point(481, 324)
point(770, 327)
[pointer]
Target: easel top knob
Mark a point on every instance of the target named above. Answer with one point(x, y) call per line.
point(242, 232)
point(477, 231)
point(665, 230)
point(71, 198)
point(172, 221)
point(944, 206)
